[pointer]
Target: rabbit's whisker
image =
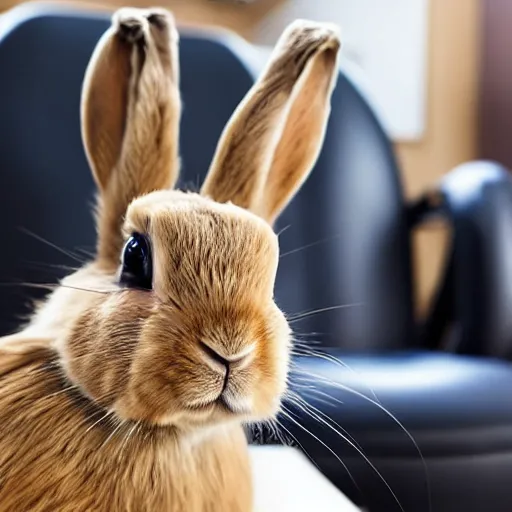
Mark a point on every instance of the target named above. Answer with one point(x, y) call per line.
point(306, 351)
point(44, 286)
point(312, 412)
point(67, 253)
point(38, 264)
point(287, 413)
point(89, 254)
point(40, 369)
point(298, 443)
point(297, 336)
point(307, 314)
point(103, 292)
point(303, 386)
point(319, 378)
point(322, 397)
point(105, 416)
point(306, 407)
point(64, 390)
point(318, 396)
point(270, 426)
point(120, 425)
point(274, 428)
point(91, 416)
point(308, 246)
point(286, 228)
point(122, 448)
point(54, 286)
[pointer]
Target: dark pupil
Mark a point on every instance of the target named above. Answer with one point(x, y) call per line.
point(137, 269)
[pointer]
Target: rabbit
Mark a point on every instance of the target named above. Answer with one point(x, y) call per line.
point(129, 388)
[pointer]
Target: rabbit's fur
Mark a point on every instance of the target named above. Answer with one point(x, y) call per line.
point(110, 399)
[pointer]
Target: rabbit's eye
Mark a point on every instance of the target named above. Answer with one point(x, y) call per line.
point(137, 264)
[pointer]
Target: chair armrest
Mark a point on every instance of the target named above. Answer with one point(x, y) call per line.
point(476, 292)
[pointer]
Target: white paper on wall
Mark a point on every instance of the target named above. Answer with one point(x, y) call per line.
point(386, 40)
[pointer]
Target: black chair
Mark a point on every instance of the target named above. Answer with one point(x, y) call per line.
point(355, 228)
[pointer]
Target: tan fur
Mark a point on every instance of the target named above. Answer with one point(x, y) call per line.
point(109, 397)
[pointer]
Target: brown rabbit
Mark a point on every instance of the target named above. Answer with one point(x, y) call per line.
point(129, 388)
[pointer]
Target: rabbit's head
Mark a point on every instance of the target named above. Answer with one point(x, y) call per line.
point(183, 329)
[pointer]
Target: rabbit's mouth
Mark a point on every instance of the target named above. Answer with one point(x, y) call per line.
point(223, 403)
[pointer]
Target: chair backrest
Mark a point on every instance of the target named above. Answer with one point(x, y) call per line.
point(346, 240)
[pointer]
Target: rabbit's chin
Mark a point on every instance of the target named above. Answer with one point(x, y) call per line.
point(227, 409)
point(216, 415)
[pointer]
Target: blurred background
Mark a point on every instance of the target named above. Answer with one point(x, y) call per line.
point(420, 63)
point(438, 76)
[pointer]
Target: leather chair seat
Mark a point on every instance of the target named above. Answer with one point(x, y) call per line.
point(458, 410)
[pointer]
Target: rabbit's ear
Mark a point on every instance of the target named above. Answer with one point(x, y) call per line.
point(273, 139)
point(131, 110)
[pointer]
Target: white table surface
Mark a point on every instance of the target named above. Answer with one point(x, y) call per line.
point(286, 481)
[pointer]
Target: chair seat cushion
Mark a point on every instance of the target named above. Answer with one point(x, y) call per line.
point(457, 409)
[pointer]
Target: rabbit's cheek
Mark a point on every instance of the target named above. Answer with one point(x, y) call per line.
point(98, 350)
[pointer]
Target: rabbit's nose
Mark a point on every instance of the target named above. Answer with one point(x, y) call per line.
point(227, 362)
point(213, 355)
